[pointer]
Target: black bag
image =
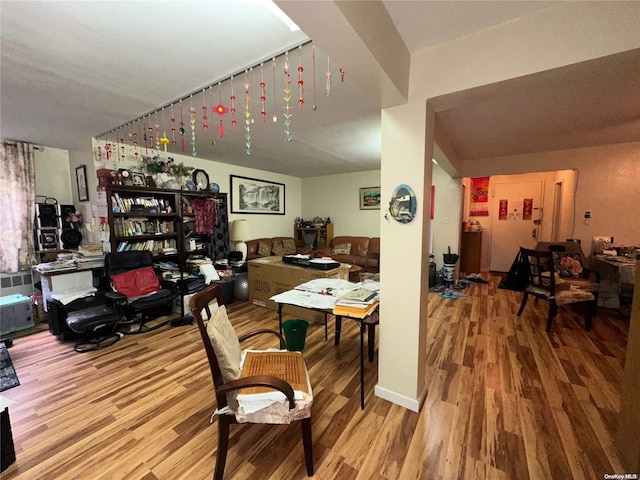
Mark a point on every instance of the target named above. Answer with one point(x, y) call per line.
point(518, 275)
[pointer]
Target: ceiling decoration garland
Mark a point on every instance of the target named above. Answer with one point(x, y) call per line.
point(125, 139)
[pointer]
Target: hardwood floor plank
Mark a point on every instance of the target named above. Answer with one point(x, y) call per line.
point(504, 400)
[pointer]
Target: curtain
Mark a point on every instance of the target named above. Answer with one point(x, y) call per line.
point(17, 197)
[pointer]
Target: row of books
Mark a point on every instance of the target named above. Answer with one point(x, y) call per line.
point(128, 227)
point(164, 246)
point(148, 204)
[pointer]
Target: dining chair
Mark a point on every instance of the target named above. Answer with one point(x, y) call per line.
point(545, 284)
point(225, 357)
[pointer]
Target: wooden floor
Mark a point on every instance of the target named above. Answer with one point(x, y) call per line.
point(505, 401)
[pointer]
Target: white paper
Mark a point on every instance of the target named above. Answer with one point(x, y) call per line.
point(318, 285)
point(209, 272)
point(305, 299)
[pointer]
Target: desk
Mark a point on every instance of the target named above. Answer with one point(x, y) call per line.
point(59, 281)
point(367, 323)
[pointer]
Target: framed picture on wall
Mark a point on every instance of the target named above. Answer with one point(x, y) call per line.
point(250, 195)
point(370, 198)
point(81, 181)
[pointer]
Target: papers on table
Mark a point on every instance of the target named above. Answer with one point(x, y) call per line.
point(326, 285)
point(305, 299)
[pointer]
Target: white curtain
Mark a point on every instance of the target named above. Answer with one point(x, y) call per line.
point(17, 203)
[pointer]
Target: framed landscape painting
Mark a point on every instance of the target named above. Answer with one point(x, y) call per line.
point(370, 198)
point(250, 195)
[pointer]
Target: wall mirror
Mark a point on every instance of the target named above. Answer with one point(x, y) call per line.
point(402, 206)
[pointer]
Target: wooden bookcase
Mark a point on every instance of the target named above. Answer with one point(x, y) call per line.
point(323, 234)
point(157, 220)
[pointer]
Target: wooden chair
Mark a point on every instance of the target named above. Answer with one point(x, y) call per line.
point(546, 285)
point(223, 352)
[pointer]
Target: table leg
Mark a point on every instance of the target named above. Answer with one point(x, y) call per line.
point(280, 305)
point(371, 340)
point(338, 329)
point(326, 328)
point(362, 329)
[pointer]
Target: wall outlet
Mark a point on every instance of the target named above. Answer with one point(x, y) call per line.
point(445, 221)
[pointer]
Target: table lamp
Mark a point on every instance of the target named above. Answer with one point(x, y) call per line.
point(240, 234)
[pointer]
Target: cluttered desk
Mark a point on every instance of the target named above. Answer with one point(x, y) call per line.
point(332, 296)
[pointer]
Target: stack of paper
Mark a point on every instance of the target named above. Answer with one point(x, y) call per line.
point(359, 303)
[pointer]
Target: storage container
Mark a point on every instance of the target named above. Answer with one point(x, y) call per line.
point(15, 313)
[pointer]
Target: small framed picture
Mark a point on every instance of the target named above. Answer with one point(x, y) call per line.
point(139, 180)
point(81, 182)
point(370, 198)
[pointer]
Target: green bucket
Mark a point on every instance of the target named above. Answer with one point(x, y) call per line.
point(295, 332)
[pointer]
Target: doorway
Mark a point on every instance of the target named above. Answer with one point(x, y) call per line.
point(515, 220)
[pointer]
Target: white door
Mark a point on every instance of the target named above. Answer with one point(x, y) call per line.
point(515, 221)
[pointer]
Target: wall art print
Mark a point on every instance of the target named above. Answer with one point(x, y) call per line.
point(253, 196)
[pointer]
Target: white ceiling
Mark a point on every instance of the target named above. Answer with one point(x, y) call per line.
point(73, 70)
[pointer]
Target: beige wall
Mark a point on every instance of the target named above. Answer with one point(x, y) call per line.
point(446, 221)
point(260, 225)
point(338, 197)
point(607, 186)
point(561, 35)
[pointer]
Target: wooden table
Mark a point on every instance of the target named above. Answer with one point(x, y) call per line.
point(367, 323)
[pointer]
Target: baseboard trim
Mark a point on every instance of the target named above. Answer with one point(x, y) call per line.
point(409, 403)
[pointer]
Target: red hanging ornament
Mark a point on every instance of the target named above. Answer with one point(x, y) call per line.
point(181, 131)
point(173, 127)
point(233, 107)
point(205, 125)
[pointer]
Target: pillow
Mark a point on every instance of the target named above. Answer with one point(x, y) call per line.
point(289, 246)
point(278, 249)
point(264, 250)
point(225, 343)
point(310, 240)
point(342, 249)
point(136, 283)
point(567, 264)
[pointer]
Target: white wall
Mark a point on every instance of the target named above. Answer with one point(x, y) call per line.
point(53, 177)
point(446, 221)
point(338, 197)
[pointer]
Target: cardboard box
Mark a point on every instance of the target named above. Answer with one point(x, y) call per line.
point(269, 276)
point(15, 313)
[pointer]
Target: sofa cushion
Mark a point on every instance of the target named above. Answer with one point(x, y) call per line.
point(342, 249)
point(278, 249)
point(289, 246)
point(264, 249)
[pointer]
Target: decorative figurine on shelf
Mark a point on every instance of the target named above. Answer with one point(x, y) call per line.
point(299, 222)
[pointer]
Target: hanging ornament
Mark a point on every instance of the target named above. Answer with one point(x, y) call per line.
point(134, 137)
point(300, 82)
point(313, 75)
point(193, 128)
point(164, 140)
point(328, 75)
point(247, 115)
point(275, 117)
point(123, 149)
point(157, 125)
point(233, 106)
point(107, 151)
point(342, 75)
point(263, 96)
point(213, 109)
point(150, 136)
point(205, 125)
point(220, 109)
point(98, 154)
point(173, 127)
point(181, 131)
point(287, 98)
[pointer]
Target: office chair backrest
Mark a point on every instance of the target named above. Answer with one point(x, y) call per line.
point(119, 262)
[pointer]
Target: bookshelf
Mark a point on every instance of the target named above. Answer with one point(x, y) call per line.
point(163, 222)
point(323, 235)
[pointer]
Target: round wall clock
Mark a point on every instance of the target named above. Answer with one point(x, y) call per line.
point(201, 179)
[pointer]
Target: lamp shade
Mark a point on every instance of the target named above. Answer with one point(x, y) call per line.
point(240, 231)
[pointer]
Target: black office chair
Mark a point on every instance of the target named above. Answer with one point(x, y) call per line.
point(136, 288)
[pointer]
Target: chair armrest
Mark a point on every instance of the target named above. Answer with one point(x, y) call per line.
point(283, 343)
point(115, 296)
point(260, 381)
